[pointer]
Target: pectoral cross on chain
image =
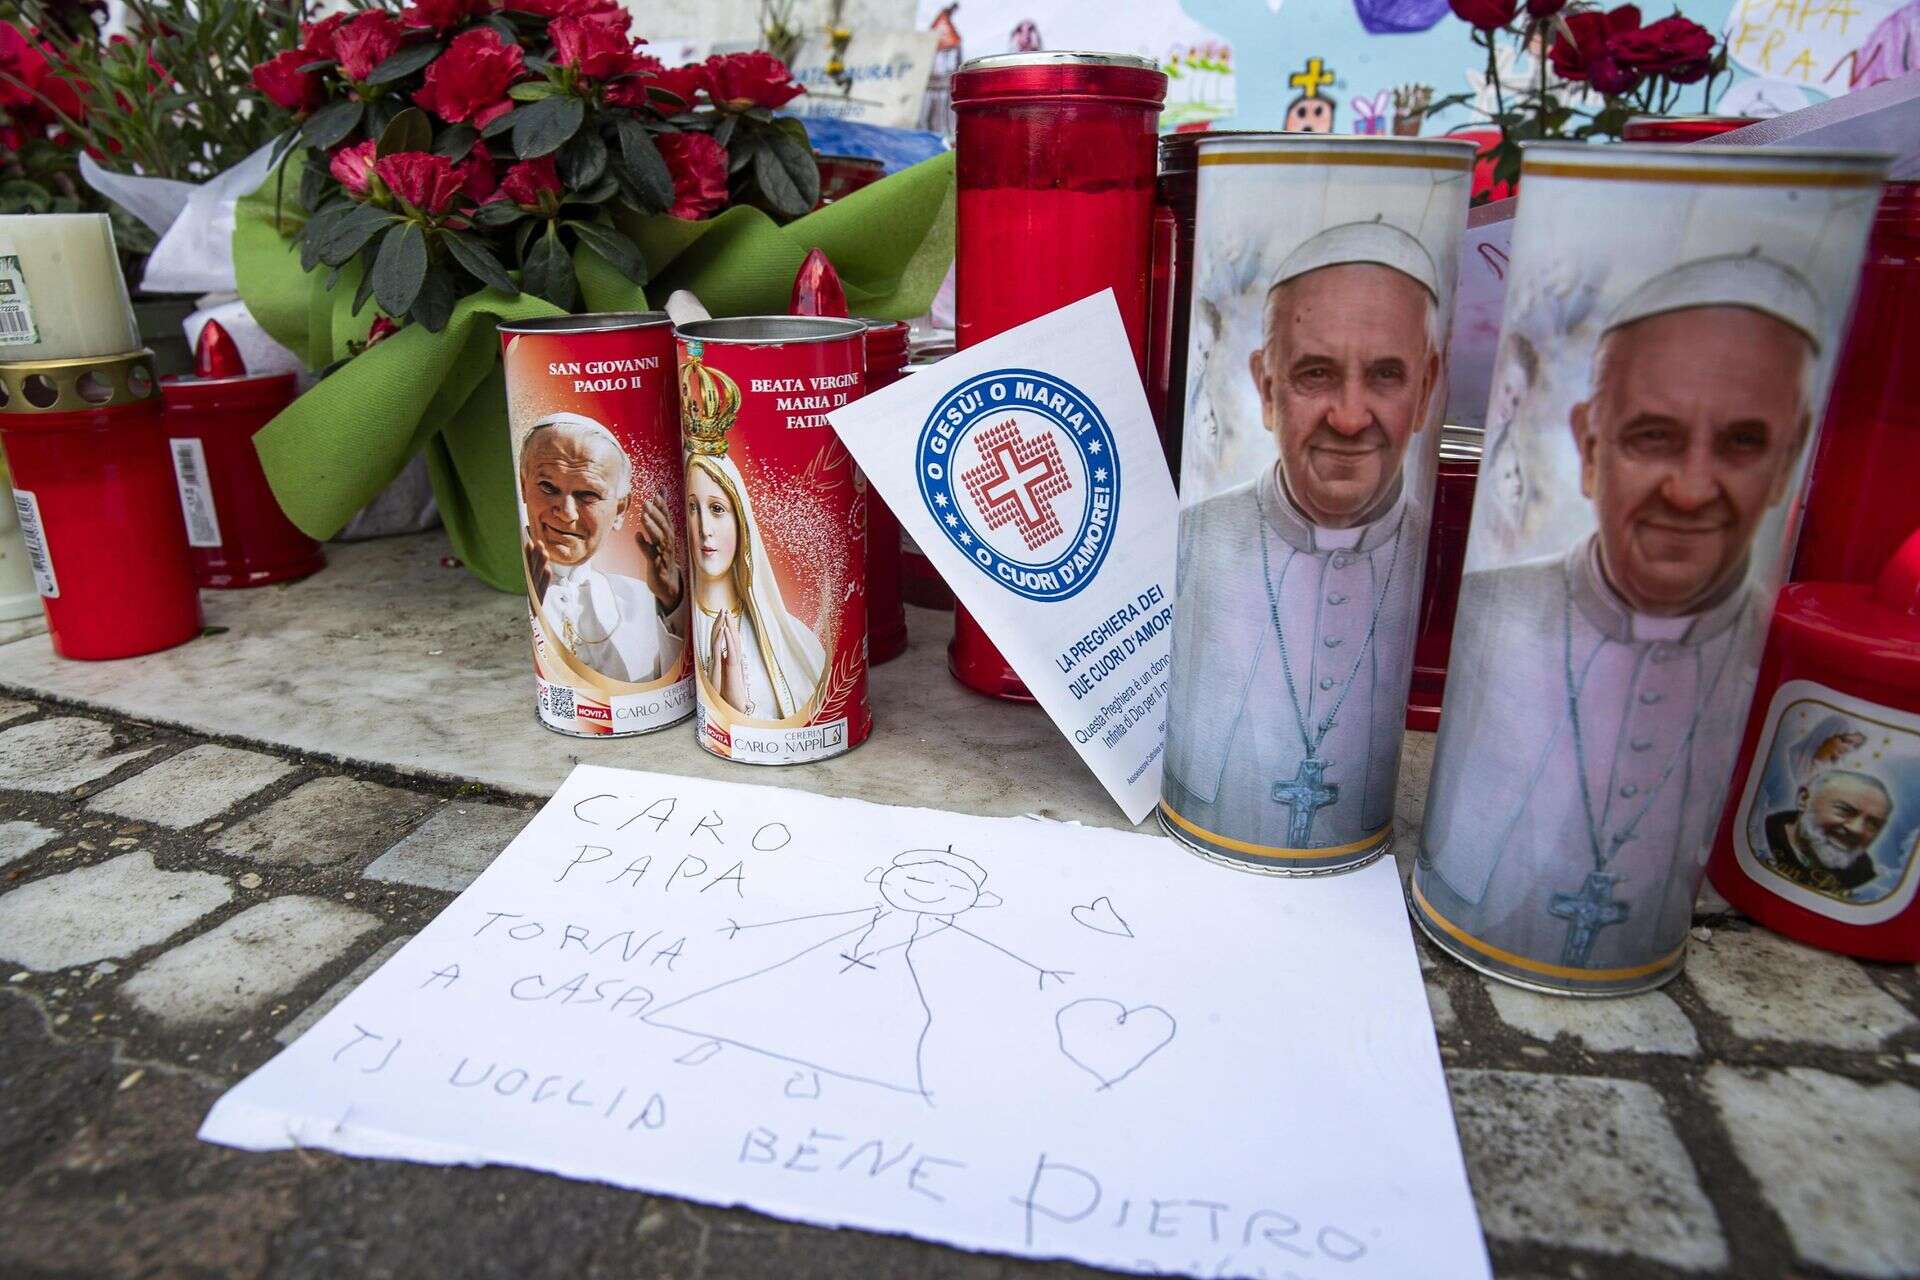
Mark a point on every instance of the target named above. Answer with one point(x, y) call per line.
point(1587, 913)
point(1305, 795)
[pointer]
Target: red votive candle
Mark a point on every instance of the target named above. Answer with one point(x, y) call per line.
point(1681, 128)
point(239, 535)
point(1055, 172)
point(886, 610)
point(1821, 839)
point(94, 487)
point(1862, 499)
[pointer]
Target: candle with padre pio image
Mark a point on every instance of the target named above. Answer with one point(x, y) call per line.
point(776, 523)
point(1615, 600)
point(592, 413)
point(1323, 277)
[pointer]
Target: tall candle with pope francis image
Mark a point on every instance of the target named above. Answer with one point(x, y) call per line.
point(1618, 590)
point(1322, 286)
point(593, 413)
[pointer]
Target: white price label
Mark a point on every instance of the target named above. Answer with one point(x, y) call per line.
point(196, 493)
point(39, 559)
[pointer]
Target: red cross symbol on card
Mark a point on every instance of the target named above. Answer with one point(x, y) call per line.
point(1017, 481)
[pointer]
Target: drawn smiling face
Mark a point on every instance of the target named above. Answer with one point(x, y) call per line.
point(929, 888)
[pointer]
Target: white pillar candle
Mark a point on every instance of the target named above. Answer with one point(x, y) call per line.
point(61, 292)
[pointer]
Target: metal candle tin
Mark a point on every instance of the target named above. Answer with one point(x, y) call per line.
point(1615, 599)
point(94, 490)
point(776, 536)
point(1322, 287)
point(239, 535)
point(1055, 177)
point(594, 421)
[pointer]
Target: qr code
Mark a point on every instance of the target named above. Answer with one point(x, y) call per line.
point(559, 701)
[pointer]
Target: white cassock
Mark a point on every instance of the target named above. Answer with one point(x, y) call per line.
point(609, 622)
point(1232, 734)
point(1508, 850)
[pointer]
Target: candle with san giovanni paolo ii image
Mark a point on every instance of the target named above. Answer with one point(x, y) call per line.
point(1621, 572)
point(776, 531)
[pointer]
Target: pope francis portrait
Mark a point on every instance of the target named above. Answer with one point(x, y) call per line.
point(576, 487)
point(1597, 697)
point(1297, 590)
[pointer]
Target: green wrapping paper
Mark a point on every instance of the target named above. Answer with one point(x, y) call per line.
point(343, 441)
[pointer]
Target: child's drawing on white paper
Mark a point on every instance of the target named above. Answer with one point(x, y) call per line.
point(863, 975)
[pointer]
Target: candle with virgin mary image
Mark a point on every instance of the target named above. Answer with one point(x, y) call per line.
point(776, 523)
point(1622, 569)
point(1322, 284)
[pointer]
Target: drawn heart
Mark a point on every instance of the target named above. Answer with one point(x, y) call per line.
point(1109, 1041)
point(1100, 917)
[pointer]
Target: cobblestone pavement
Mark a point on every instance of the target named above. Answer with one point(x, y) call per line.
point(159, 936)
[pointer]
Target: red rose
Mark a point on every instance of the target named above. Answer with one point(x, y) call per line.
point(1585, 41)
point(429, 183)
point(282, 81)
point(529, 183)
point(366, 42)
point(1487, 15)
point(1677, 48)
point(571, 9)
point(741, 80)
point(468, 83)
point(699, 168)
point(442, 15)
point(1544, 8)
point(478, 181)
point(596, 46)
point(352, 167)
point(317, 39)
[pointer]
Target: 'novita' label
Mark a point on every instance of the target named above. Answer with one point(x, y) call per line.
point(39, 559)
point(16, 310)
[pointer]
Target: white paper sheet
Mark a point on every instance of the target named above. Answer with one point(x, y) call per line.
point(1118, 1053)
point(1027, 469)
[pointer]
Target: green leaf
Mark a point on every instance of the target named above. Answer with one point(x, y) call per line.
point(409, 131)
point(400, 269)
point(599, 193)
point(456, 142)
point(542, 128)
point(314, 184)
point(583, 160)
point(723, 132)
point(433, 305)
point(479, 262)
point(501, 123)
point(498, 213)
point(318, 229)
point(380, 114)
point(363, 293)
point(404, 63)
point(332, 123)
point(785, 173)
point(548, 271)
point(643, 166)
point(348, 236)
point(623, 254)
point(534, 91)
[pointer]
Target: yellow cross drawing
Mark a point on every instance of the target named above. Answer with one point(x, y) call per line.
point(1310, 80)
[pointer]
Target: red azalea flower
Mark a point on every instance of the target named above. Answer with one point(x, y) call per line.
point(1486, 15)
point(23, 57)
point(1677, 48)
point(596, 46)
point(442, 15)
point(1585, 41)
point(1544, 8)
point(699, 168)
point(366, 42)
point(682, 82)
point(282, 81)
point(468, 83)
point(741, 80)
point(352, 167)
point(429, 183)
point(528, 182)
point(478, 181)
point(317, 39)
point(382, 328)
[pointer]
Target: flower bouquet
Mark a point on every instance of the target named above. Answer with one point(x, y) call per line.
point(1560, 70)
point(458, 162)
